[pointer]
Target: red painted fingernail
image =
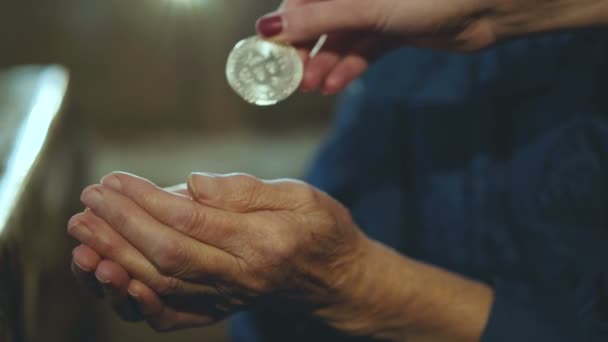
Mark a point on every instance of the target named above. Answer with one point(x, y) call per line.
point(270, 26)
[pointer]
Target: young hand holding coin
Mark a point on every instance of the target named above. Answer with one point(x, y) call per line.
point(361, 30)
point(264, 72)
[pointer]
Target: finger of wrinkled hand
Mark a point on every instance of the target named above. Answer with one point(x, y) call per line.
point(244, 193)
point(173, 254)
point(160, 316)
point(102, 239)
point(115, 281)
point(209, 225)
point(84, 264)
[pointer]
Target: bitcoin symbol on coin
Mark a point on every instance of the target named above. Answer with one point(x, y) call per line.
point(263, 72)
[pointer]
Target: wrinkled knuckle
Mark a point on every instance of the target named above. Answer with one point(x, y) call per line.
point(248, 185)
point(257, 282)
point(278, 250)
point(308, 194)
point(169, 258)
point(102, 242)
point(166, 286)
point(284, 250)
point(245, 181)
point(90, 220)
point(191, 222)
point(123, 220)
point(327, 221)
point(111, 249)
point(106, 249)
point(342, 215)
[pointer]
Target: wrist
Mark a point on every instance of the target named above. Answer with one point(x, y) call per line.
point(515, 18)
point(387, 296)
point(362, 289)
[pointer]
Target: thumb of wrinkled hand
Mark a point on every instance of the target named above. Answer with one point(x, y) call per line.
point(245, 193)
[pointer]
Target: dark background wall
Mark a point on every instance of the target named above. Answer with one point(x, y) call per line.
point(153, 65)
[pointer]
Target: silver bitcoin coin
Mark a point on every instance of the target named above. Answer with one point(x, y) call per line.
point(264, 72)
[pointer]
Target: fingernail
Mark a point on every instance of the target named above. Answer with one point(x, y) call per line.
point(80, 267)
point(270, 26)
point(80, 232)
point(133, 294)
point(203, 185)
point(73, 221)
point(112, 182)
point(102, 280)
point(91, 197)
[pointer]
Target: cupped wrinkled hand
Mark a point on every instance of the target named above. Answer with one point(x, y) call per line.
point(190, 261)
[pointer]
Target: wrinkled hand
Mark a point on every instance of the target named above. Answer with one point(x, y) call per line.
point(361, 30)
point(236, 242)
point(107, 279)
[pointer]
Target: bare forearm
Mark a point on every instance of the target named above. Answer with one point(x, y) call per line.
point(399, 299)
point(519, 17)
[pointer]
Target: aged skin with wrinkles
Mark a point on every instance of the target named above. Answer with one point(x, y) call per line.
point(241, 241)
